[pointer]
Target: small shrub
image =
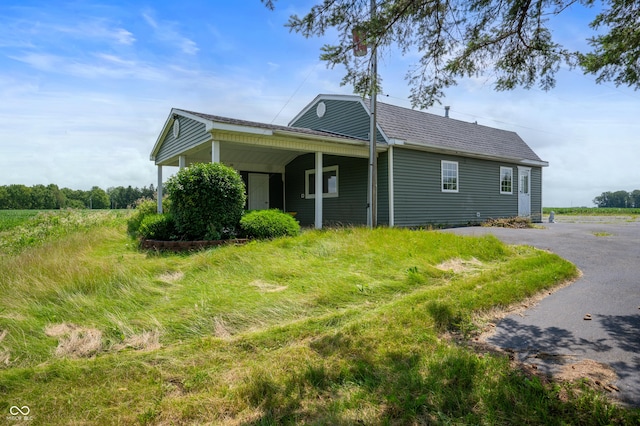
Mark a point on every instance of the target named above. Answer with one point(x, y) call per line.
point(143, 207)
point(269, 224)
point(207, 201)
point(158, 227)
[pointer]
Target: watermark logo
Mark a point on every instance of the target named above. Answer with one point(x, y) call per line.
point(19, 413)
point(15, 410)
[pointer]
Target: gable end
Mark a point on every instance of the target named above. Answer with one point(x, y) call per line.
point(341, 115)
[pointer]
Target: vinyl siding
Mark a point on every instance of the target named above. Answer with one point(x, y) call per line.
point(420, 201)
point(350, 207)
point(536, 194)
point(192, 134)
point(383, 188)
point(341, 117)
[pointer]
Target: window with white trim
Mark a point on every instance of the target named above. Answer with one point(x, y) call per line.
point(506, 180)
point(329, 182)
point(449, 176)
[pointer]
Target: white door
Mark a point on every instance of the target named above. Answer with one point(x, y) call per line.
point(524, 191)
point(258, 191)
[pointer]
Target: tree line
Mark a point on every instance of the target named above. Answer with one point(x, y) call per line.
point(621, 199)
point(48, 197)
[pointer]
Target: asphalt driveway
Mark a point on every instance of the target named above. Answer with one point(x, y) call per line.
point(555, 332)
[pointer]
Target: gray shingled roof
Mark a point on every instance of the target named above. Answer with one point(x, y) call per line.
point(276, 127)
point(430, 130)
point(422, 129)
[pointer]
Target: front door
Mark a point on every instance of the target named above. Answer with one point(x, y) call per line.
point(258, 191)
point(524, 191)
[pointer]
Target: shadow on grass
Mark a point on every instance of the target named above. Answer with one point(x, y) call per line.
point(453, 385)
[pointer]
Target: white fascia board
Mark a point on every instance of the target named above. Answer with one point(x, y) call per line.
point(535, 163)
point(319, 137)
point(366, 108)
point(394, 141)
point(211, 125)
point(167, 127)
point(441, 150)
point(380, 146)
point(239, 128)
point(304, 110)
point(206, 122)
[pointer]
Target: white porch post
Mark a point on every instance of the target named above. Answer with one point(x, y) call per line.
point(318, 190)
point(215, 151)
point(159, 188)
point(182, 161)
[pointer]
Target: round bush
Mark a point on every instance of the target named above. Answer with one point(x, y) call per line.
point(207, 201)
point(269, 224)
point(158, 227)
point(143, 208)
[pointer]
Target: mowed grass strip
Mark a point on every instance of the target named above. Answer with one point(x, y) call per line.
point(331, 327)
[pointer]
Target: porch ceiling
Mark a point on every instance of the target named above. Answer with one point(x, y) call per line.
point(242, 157)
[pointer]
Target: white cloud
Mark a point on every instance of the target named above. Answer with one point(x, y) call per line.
point(96, 29)
point(166, 32)
point(40, 61)
point(273, 66)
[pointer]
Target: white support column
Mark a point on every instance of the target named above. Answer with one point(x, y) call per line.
point(215, 151)
point(182, 161)
point(392, 218)
point(159, 188)
point(318, 221)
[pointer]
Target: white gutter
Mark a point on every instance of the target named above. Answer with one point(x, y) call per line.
point(317, 137)
point(239, 128)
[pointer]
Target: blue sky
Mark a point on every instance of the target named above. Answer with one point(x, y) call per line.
point(87, 85)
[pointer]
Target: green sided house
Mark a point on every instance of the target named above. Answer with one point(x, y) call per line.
point(431, 169)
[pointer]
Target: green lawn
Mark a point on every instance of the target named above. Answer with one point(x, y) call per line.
point(331, 327)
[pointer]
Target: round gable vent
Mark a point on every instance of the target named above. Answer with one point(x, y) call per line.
point(321, 109)
point(176, 128)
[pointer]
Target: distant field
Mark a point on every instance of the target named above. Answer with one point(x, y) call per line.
point(20, 229)
point(592, 211)
point(12, 218)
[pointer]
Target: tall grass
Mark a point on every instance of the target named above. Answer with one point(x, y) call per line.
point(34, 228)
point(330, 327)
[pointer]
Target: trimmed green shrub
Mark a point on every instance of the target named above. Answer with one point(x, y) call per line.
point(207, 201)
point(269, 224)
point(143, 208)
point(158, 227)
